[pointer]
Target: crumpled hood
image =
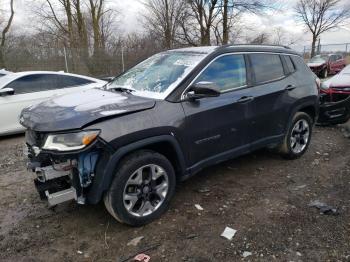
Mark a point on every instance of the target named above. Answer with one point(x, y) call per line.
point(339, 80)
point(315, 64)
point(75, 110)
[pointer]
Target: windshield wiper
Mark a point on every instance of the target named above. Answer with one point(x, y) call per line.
point(121, 89)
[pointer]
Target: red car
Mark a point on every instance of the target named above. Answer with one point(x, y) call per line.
point(335, 99)
point(324, 65)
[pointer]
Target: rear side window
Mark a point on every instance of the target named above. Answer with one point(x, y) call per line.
point(227, 72)
point(266, 67)
point(69, 81)
point(289, 64)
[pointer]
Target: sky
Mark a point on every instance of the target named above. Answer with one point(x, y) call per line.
point(131, 10)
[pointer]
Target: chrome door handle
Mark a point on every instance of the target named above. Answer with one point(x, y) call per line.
point(245, 99)
point(290, 87)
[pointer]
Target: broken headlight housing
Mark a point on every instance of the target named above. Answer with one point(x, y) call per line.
point(70, 141)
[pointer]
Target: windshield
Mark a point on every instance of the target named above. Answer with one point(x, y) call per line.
point(318, 59)
point(158, 75)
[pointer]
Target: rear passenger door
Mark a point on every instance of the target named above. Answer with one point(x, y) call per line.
point(68, 84)
point(272, 97)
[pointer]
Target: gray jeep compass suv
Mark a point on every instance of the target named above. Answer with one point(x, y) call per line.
point(130, 142)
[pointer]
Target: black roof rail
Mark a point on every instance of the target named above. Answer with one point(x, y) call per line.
point(264, 45)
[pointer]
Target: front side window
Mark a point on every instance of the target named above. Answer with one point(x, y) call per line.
point(227, 72)
point(33, 83)
point(158, 75)
point(266, 67)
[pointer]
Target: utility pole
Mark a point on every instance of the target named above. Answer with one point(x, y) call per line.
point(123, 59)
point(65, 59)
point(319, 46)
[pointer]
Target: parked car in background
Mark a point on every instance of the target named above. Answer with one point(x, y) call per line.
point(4, 72)
point(19, 90)
point(164, 120)
point(324, 65)
point(335, 99)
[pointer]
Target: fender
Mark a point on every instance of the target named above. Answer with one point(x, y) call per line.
point(104, 177)
point(306, 102)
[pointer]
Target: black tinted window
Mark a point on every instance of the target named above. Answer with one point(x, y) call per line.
point(34, 83)
point(332, 58)
point(67, 81)
point(226, 72)
point(289, 64)
point(300, 64)
point(266, 67)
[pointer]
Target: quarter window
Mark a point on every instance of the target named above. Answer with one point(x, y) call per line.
point(227, 72)
point(289, 63)
point(267, 67)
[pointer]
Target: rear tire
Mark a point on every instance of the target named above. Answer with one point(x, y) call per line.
point(142, 188)
point(298, 137)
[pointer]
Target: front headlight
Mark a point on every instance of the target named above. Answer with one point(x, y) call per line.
point(70, 141)
point(324, 86)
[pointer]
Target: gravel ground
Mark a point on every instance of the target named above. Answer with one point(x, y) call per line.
point(262, 196)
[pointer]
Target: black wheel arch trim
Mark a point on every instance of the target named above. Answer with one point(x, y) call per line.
point(304, 104)
point(105, 176)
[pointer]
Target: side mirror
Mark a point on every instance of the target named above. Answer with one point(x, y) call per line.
point(202, 90)
point(6, 91)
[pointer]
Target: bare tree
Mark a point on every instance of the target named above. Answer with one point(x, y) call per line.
point(282, 37)
point(163, 19)
point(4, 32)
point(320, 16)
point(198, 21)
point(232, 9)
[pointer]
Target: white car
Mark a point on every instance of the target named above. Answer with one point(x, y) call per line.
point(19, 90)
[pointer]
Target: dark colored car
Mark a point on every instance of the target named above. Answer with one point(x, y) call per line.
point(335, 99)
point(324, 65)
point(164, 120)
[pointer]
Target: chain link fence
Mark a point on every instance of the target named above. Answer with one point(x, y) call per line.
point(342, 48)
point(109, 61)
point(100, 63)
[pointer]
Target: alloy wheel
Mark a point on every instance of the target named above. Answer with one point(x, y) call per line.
point(300, 136)
point(145, 190)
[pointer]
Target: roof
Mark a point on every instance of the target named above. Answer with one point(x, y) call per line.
point(10, 77)
point(259, 48)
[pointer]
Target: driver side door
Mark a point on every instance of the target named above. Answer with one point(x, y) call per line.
point(28, 90)
point(216, 126)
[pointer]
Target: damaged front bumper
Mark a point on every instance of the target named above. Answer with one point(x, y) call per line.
point(334, 109)
point(60, 177)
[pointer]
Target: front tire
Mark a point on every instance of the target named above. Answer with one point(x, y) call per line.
point(142, 188)
point(324, 73)
point(298, 137)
